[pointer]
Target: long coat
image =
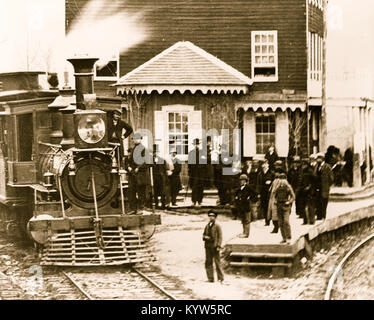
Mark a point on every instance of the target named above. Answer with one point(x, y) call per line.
point(326, 179)
point(142, 176)
point(264, 183)
point(197, 165)
point(242, 198)
point(212, 235)
point(160, 176)
point(175, 180)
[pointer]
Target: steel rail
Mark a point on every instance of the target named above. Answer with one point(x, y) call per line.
point(338, 269)
point(154, 284)
point(77, 285)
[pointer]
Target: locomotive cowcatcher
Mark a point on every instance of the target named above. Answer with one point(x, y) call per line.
point(62, 178)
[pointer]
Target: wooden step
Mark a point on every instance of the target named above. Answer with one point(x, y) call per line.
point(260, 264)
point(262, 255)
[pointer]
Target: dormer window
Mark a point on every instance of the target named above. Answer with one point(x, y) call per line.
point(264, 56)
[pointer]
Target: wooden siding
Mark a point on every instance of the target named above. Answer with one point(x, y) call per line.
point(221, 27)
point(315, 20)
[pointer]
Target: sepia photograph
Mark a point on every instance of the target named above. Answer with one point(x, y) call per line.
point(204, 151)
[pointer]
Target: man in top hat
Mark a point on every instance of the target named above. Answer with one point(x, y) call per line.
point(139, 177)
point(242, 201)
point(325, 179)
point(265, 179)
point(212, 238)
point(197, 173)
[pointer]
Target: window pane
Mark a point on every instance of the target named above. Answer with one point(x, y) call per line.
point(185, 127)
point(271, 49)
point(264, 49)
point(271, 59)
point(258, 59)
point(271, 38)
point(171, 116)
point(264, 38)
point(171, 126)
point(264, 59)
point(257, 49)
point(184, 117)
point(257, 38)
point(178, 117)
point(178, 127)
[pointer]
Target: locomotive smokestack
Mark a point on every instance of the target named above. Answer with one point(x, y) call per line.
point(83, 72)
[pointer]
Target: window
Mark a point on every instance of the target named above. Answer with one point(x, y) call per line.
point(25, 138)
point(265, 132)
point(178, 132)
point(317, 3)
point(107, 70)
point(315, 44)
point(264, 56)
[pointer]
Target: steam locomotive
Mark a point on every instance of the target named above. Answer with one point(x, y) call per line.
point(62, 179)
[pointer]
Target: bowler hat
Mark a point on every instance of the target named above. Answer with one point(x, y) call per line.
point(243, 177)
point(118, 110)
point(211, 213)
point(296, 158)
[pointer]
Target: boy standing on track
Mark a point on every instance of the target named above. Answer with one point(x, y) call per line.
point(212, 237)
point(284, 196)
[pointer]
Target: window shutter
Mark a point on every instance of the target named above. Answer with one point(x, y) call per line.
point(281, 133)
point(249, 134)
point(160, 131)
point(194, 127)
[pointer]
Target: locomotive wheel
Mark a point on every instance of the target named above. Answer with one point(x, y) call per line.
point(78, 188)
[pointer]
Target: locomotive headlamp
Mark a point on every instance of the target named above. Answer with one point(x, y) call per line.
point(91, 129)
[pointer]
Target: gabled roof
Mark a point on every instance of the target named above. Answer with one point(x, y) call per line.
point(181, 67)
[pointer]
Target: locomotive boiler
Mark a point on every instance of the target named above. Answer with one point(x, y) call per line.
point(77, 186)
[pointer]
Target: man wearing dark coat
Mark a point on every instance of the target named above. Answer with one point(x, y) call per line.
point(197, 173)
point(161, 172)
point(324, 181)
point(174, 179)
point(293, 177)
point(265, 178)
point(212, 238)
point(242, 199)
point(306, 192)
point(115, 129)
point(139, 176)
point(271, 156)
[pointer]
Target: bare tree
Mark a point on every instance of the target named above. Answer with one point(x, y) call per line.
point(296, 125)
point(136, 103)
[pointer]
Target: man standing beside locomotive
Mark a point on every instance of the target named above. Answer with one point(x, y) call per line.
point(139, 178)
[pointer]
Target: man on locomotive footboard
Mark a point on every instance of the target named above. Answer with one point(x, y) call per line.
point(116, 127)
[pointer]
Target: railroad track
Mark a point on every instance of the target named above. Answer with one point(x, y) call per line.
point(120, 284)
point(339, 269)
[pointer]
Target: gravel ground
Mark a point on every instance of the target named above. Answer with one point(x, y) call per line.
point(178, 245)
point(357, 279)
point(180, 250)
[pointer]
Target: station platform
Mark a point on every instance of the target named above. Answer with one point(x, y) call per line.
point(263, 248)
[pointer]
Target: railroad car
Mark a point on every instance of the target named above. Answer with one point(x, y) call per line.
point(60, 177)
